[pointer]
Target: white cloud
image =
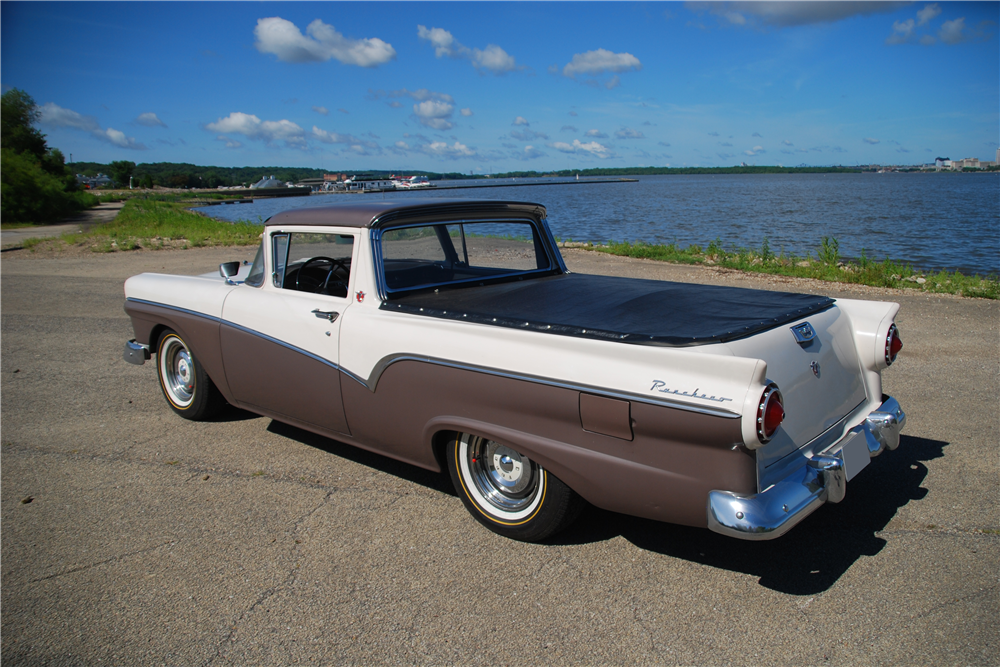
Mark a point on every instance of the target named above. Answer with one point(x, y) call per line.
point(348, 139)
point(402, 145)
point(528, 135)
point(590, 148)
point(57, 116)
point(252, 127)
point(444, 42)
point(432, 109)
point(597, 134)
point(230, 143)
point(321, 43)
point(786, 142)
point(871, 140)
point(928, 13)
point(952, 32)
point(629, 133)
point(434, 114)
point(530, 153)
point(323, 111)
point(492, 58)
point(787, 14)
point(927, 40)
point(443, 150)
point(521, 120)
point(149, 119)
point(902, 32)
point(466, 112)
point(594, 63)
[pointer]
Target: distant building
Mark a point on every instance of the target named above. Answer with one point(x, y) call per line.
point(268, 182)
point(91, 182)
point(969, 162)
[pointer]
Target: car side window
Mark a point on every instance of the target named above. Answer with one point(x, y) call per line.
point(313, 262)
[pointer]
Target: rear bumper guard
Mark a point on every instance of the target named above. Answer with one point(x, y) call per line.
point(823, 479)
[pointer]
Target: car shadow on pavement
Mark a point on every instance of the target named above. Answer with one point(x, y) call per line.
point(813, 555)
point(411, 473)
point(809, 559)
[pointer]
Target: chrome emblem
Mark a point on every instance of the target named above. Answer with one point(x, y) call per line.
point(815, 368)
point(804, 333)
point(661, 387)
point(360, 296)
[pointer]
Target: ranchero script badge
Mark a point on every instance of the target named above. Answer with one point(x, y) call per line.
point(661, 387)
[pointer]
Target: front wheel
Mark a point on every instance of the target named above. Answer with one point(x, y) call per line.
point(185, 384)
point(507, 492)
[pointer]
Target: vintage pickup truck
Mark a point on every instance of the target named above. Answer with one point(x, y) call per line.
point(450, 335)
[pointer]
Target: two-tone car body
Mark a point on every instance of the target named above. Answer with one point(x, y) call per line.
point(450, 335)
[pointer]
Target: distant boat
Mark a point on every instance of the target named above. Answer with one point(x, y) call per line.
point(413, 182)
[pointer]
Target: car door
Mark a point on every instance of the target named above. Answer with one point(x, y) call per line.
point(281, 339)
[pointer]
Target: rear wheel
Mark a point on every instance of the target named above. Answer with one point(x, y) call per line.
point(185, 384)
point(507, 492)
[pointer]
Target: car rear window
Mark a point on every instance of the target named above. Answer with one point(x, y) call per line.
point(442, 254)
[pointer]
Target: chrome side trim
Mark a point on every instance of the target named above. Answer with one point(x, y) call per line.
point(821, 479)
point(389, 360)
point(244, 329)
point(186, 311)
point(372, 382)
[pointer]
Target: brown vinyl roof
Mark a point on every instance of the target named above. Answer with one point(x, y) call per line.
point(392, 212)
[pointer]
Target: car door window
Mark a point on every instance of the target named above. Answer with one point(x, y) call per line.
point(313, 262)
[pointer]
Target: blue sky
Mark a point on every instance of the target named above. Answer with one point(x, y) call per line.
point(490, 87)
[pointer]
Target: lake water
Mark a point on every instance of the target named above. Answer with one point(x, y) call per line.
point(932, 221)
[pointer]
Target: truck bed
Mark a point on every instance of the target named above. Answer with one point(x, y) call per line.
point(645, 312)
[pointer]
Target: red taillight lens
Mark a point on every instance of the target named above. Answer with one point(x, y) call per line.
point(893, 344)
point(770, 413)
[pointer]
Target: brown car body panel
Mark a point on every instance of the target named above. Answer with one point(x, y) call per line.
point(287, 383)
point(665, 473)
point(674, 459)
point(201, 334)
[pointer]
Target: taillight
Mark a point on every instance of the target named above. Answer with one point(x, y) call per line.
point(770, 413)
point(893, 344)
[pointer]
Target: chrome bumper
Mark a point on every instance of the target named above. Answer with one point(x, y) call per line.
point(136, 353)
point(822, 479)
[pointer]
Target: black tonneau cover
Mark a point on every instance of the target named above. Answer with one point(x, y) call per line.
point(649, 312)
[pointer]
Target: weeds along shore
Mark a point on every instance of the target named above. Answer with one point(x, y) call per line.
point(165, 221)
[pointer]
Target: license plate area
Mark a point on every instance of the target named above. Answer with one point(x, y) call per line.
point(855, 455)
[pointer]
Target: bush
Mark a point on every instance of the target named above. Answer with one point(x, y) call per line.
point(28, 193)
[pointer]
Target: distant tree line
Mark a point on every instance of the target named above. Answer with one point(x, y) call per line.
point(184, 175)
point(35, 185)
point(657, 171)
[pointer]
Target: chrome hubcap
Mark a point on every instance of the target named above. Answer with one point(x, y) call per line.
point(507, 479)
point(178, 371)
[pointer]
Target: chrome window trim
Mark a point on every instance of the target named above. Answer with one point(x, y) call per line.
point(554, 259)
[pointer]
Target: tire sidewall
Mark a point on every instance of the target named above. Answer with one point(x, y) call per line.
point(547, 513)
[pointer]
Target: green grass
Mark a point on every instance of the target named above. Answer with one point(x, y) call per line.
point(825, 265)
point(155, 223)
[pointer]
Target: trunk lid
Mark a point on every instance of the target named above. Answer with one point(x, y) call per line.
point(821, 381)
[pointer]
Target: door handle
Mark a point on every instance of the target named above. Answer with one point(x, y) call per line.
point(331, 315)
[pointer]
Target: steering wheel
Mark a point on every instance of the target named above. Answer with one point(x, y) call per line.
point(334, 265)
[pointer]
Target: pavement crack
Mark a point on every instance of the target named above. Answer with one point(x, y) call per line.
point(113, 559)
point(288, 580)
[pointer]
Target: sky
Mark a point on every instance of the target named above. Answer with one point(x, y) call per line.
point(483, 87)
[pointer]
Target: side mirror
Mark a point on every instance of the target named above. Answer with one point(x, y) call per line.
point(229, 269)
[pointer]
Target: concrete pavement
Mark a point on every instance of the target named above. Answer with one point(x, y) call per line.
point(132, 536)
